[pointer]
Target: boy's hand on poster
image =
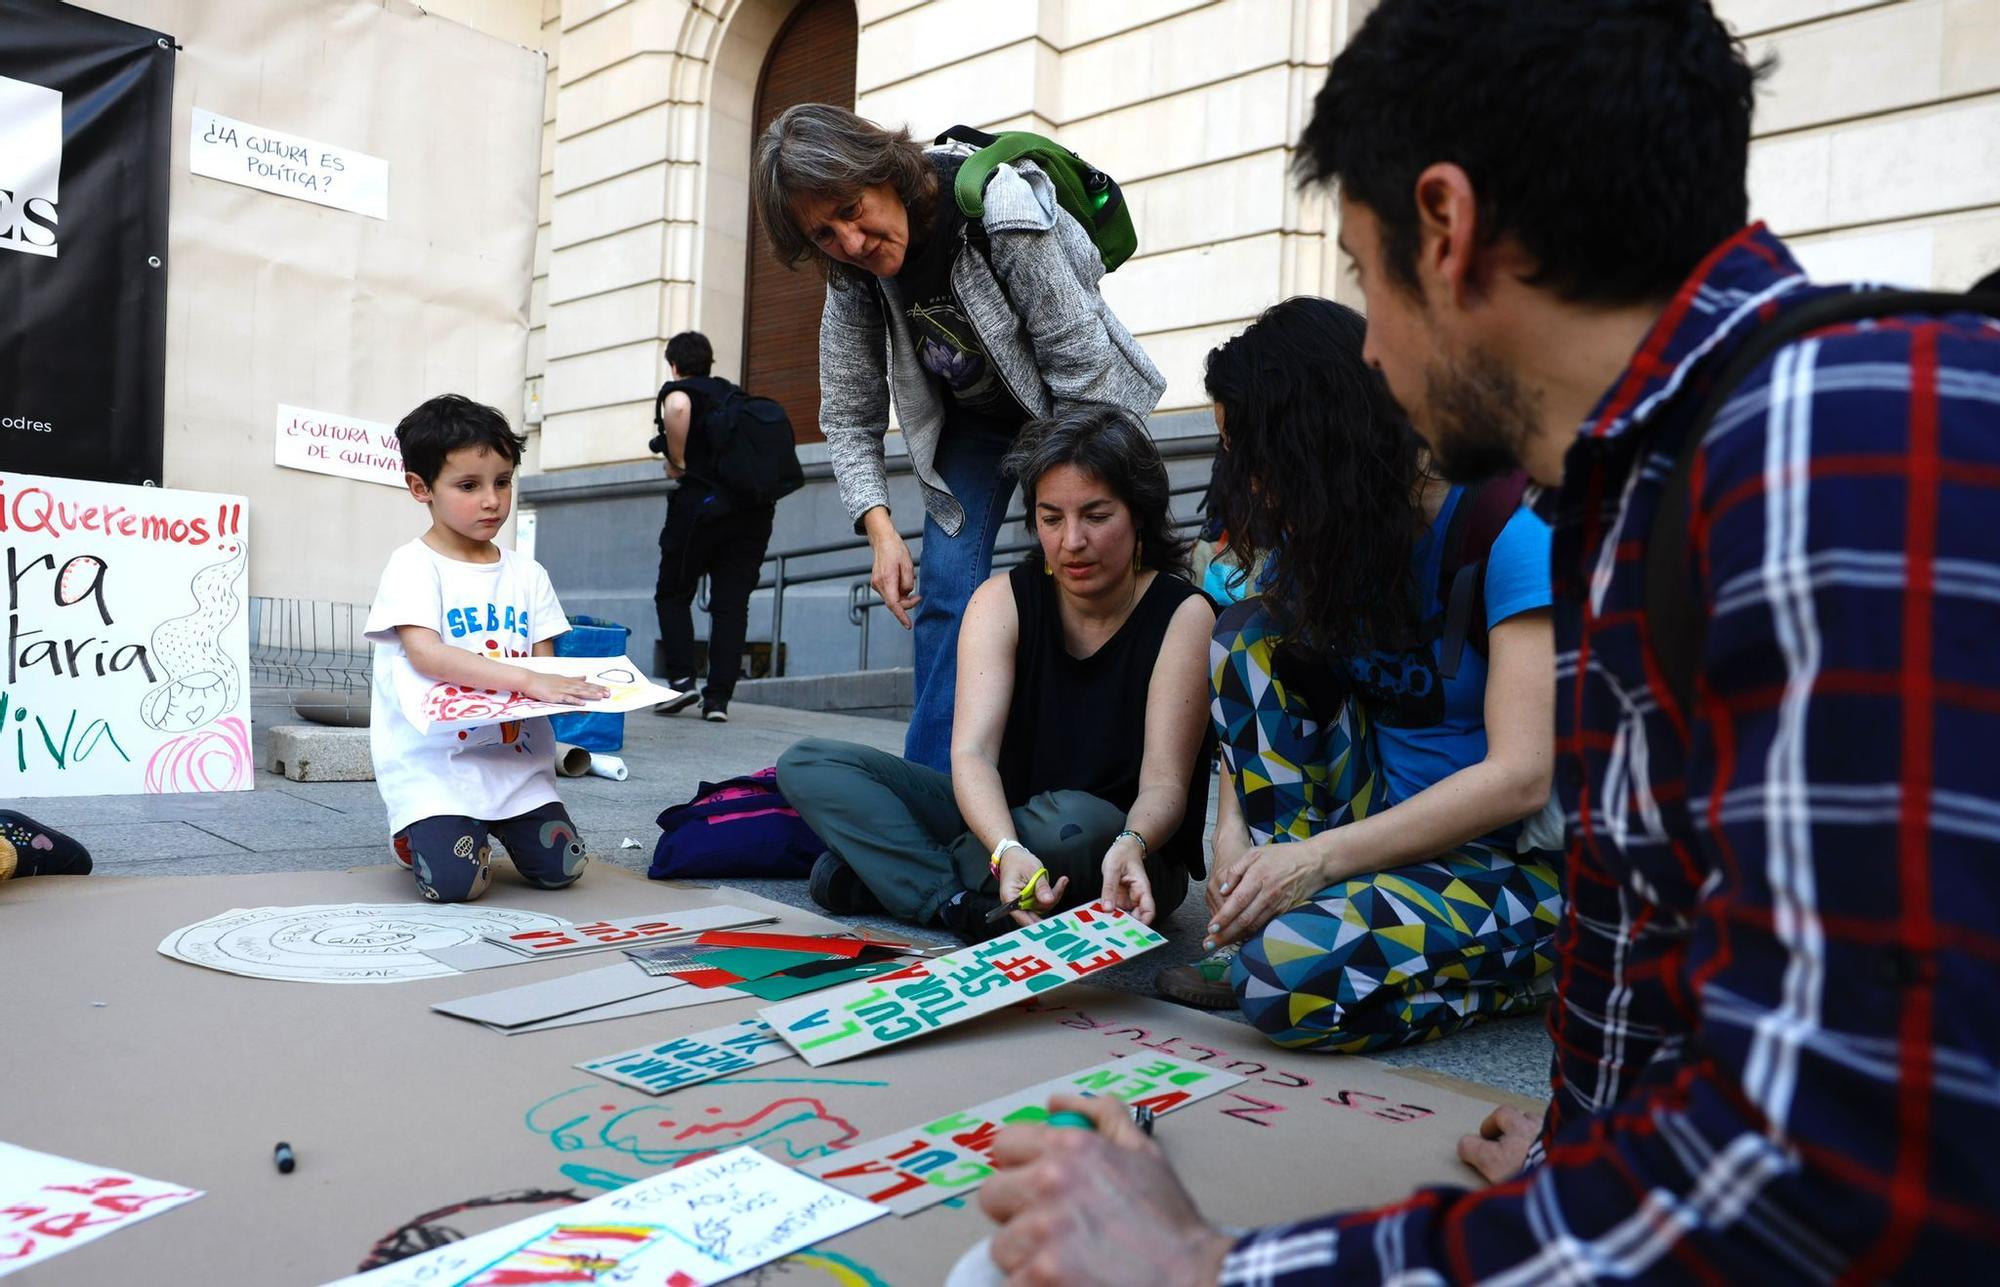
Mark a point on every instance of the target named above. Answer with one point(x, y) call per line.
point(1125, 882)
point(1271, 880)
point(565, 689)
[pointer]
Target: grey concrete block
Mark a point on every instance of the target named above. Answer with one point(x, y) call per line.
point(869, 693)
point(315, 753)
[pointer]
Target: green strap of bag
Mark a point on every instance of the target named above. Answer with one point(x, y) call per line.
point(1091, 196)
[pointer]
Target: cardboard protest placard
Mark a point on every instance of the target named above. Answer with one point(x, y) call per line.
point(343, 942)
point(977, 980)
point(685, 1061)
point(596, 936)
point(436, 707)
point(919, 1167)
point(699, 1224)
point(128, 650)
point(50, 1204)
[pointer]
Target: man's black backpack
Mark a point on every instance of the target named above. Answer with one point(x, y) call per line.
point(749, 441)
point(1675, 622)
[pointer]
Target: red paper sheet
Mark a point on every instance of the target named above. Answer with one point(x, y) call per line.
point(709, 978)
point(783, 942)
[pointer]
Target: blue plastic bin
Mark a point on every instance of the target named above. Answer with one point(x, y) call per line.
point(592, 730)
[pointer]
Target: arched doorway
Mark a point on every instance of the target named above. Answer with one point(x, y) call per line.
point(811, 61)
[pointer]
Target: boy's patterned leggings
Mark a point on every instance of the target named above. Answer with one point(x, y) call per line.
point(451, 855)
point(1396, 957)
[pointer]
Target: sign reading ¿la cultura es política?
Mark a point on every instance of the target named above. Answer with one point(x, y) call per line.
point(127, 665)
point(287, 165)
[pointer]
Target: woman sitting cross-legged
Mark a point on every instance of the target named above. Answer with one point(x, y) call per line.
point(1079, 751)
point(1380, 747)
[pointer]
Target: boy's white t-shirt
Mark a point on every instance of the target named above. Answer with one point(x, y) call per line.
point(497, 610)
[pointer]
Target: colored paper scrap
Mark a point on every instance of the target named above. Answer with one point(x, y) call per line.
point(50, 1204)
point(962, 985)
point(694, 1225)
point(708, 977)
point(672, 960)
point(796, 983)
point(684, 1061)
point(912, 1169)
point(783, 942)
point(598, 936)
point(760, 963)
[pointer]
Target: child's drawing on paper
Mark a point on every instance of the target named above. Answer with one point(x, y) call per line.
point(587, 1118)
point(445, 706)
point(202, 681)
point(581, 1253)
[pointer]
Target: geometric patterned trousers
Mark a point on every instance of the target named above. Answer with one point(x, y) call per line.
point(1392, 958)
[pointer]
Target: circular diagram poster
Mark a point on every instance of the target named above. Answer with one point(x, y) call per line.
point(344, 942)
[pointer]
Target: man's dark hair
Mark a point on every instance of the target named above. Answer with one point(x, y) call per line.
point(1609, 137)
point(691, 353)
point(445, 424)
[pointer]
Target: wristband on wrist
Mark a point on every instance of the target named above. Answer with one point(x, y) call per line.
point(993, 862)
point(1135, 837)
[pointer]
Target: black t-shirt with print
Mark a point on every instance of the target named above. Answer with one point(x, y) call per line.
point(947, 346)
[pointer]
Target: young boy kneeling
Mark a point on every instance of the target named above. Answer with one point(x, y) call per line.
point(453, 605)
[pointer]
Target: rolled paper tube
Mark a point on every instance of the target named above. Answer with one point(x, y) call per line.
point(572, 761)
point(609, 766)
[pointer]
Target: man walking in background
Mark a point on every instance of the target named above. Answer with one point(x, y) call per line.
point(730, 452)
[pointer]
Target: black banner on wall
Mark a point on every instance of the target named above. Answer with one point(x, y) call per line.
point(86, 117)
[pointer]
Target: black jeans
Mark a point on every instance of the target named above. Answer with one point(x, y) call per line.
point(705, 534)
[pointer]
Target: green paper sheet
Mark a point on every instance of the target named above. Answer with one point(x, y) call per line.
point(783, 986)
point(759, 962)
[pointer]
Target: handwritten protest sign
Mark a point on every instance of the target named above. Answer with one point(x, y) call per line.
point(433, 707)
point(684, 1061)
point(916, 1168)
point(687, 1227)
point(287, 164)
point(50, 1204)
point(827, 1027)
point(128, 650)
point(324, 442)
point(630, 931)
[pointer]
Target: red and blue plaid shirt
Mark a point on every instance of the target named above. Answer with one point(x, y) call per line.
point(1778, 1028)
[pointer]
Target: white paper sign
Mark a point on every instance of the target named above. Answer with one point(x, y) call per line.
point(50, 1204)
point(923, 1165)
point(287, 164)
point(840, 1023)
point(343, 942)
point(686, 1061)
point(127, 665)
point(435, 707)
point(687, 1227)
point(324, 442)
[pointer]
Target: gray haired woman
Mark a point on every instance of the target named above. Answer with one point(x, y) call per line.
point(974, 328)
point(1078, 761)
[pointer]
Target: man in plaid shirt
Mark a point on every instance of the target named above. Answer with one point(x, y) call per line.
point(1778, 1020)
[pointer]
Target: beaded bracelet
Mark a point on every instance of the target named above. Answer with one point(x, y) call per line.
point(1143, 849)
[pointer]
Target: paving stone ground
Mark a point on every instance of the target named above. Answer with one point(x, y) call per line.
point(294, 826)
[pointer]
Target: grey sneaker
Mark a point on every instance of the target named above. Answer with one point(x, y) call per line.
point(1204, 985)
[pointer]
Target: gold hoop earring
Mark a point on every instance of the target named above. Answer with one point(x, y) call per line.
point(1138, 556)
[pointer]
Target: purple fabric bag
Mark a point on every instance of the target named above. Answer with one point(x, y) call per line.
point(737, 827)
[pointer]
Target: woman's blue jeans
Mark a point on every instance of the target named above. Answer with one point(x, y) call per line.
point(952, 568)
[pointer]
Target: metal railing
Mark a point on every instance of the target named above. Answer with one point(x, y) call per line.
point(861, 596)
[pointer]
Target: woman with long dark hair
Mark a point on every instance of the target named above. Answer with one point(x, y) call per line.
point(1385, 705)
point(1079, 747)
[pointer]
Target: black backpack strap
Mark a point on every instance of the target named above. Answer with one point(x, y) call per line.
point(1676, 624)
point(1475, 524)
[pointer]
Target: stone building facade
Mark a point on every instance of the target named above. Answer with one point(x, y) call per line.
point(1877, 154)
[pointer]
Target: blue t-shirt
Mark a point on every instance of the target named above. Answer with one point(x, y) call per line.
point(1427, 727)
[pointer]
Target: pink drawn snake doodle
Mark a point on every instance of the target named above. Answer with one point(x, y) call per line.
point(202, 682)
